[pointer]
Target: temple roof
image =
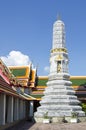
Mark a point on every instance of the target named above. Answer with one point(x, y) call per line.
point(8, 82)
point(25, 74)
point(20, 71)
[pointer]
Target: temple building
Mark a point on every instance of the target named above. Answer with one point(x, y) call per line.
point(23, 92)
point(12, 104)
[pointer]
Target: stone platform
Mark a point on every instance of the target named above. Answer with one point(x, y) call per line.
point(52, 126)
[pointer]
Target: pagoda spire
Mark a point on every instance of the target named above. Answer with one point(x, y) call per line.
point(58, 34)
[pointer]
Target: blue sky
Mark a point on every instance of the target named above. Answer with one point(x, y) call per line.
point(26, 26)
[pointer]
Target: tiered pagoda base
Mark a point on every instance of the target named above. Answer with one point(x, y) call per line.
point(59, 100)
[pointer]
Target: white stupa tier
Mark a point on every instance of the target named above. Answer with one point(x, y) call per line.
point(59, 97)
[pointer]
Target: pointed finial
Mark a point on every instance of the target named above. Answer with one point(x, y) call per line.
point(58, 17)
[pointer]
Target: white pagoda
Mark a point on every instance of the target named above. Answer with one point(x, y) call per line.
point(59, 98)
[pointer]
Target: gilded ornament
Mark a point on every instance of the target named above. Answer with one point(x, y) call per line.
point(59, 57)
point(59, 50)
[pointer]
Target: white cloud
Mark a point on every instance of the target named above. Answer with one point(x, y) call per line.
point(46, 69)
point(16, 58)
